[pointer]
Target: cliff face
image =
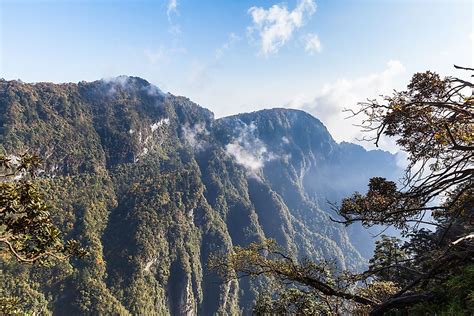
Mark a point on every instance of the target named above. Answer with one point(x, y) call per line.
point(152, 184)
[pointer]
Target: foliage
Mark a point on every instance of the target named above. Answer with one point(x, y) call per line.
point(317, 285)
point(433, 122)
point(388, 257)
point(150, 207)
point(27, 231)
point(290, 301)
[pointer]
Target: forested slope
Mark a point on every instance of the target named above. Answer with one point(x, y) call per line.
point(152, 184)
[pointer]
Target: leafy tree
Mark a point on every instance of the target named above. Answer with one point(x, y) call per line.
point(27, 232)
point(388, 258)
point(315, 286)
point(433, 122)
point(26, 228)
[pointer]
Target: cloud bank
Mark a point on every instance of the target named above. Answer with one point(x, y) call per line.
point(328, 104)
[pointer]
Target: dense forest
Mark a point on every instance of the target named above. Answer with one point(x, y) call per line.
point(119, 199)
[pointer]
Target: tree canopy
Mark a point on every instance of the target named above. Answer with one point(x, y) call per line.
point(432, 121)
point(26, 229)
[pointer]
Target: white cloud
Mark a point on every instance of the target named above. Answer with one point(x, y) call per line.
point(201, 74)
point(122, 82)
point(172, 8)
point(249, 151)
point(125, 83)
point(245, 158)
point(313, 44)
point(231, 40)
point(276, 25)
point(193, 135)
point(328, 104)
point(154, 91)
point(175, 29)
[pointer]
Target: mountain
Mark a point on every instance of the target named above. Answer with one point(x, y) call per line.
point(152, 184)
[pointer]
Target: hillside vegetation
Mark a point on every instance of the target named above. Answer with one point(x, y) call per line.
point(151, 184)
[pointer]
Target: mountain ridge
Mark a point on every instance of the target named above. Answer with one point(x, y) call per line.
point(153, 184)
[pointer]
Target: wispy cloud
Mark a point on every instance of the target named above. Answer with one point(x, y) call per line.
point(195, 135)
point(231, 40)
point(172, 8)
point(115, 84)
point(154, 56)
point(275, 26)
point(328, 104)
point(248, 150)
point(313, 44)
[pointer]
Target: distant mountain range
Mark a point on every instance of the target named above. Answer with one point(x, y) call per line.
point(152, 184)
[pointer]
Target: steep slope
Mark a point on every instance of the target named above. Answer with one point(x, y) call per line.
point(152, 184)
point(308, 169)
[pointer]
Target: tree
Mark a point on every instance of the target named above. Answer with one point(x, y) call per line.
point(27, 232)
point(26, 229)
point(433, 122)
point(314, 286)
point(388, 257)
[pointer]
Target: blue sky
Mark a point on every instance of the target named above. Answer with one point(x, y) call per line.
point(235, 56)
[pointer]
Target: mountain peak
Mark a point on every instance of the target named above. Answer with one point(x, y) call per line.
point(275, 112)
point(281, 122)
point(128, 83)
point(161, 185)
point(125, 79)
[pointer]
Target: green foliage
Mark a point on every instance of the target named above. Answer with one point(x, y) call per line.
point(149, 207)
point(26, 228)
point(388, 253)
point(434, 122)
point(290, 301)
point(458, 295)
point(27, 232)
point(302, 286)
